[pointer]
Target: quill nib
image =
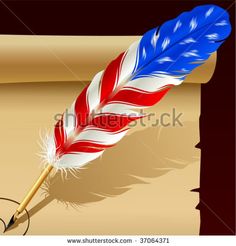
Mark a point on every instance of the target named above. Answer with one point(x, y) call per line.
point(12, 220)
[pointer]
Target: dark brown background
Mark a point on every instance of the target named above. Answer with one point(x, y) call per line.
point(217, 123)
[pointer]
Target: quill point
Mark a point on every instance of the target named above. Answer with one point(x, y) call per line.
point(11, 222)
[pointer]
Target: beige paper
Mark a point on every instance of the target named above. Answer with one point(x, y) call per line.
point(140, 186)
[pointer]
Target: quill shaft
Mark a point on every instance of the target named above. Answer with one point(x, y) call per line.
point(30, 195)
point(34, 189)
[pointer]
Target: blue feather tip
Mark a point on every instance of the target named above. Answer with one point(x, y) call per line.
point(180, 45)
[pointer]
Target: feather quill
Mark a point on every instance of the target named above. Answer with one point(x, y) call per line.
point(137, 78)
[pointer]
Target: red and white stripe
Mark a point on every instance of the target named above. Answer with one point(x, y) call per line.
point(103, 111)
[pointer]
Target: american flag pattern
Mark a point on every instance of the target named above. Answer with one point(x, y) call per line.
point(136, 79)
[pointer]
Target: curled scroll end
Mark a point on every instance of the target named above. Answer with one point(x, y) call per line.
point(203, 74)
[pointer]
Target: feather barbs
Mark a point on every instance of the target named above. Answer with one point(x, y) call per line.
point(136, 79)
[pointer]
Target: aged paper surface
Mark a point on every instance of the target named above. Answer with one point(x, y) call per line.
point(141, 186)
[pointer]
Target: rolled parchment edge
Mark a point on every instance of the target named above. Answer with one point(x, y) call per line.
point(33, 58)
